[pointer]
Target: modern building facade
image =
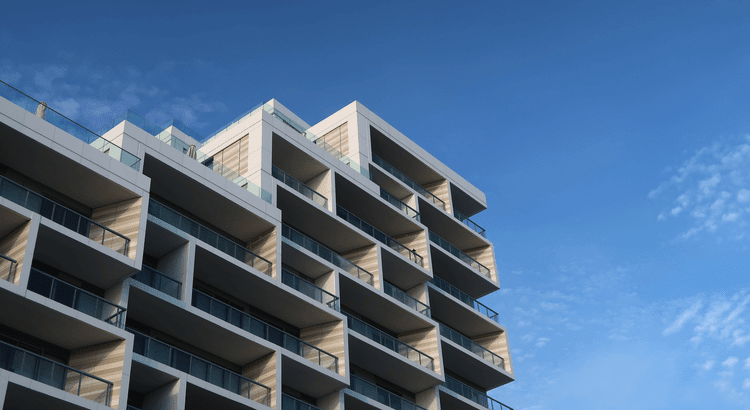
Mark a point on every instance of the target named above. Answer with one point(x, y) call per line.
point(274, 265)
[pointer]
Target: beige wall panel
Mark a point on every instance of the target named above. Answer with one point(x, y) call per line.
point(331, 402)
point(441, 190)
point(14, 247)
point(420, 293)
point(338, 138)
point(328, 337)
point(104, 360)
point(166, 397)
point(327, 282)
point(124, 218)
point(322, 185)
point(265, 246)
point(367, 259)
point(262, 371)
point(426, 341)
point(418, 242)
point(496, 343)
point(428, 399)
point(486, 256)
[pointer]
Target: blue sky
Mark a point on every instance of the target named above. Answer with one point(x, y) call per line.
point(612, 140)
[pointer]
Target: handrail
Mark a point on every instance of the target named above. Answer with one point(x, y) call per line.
point(76, 298)
point(400, 204)
point(174, 122)
point(263, 330)
point(290, 403)
point(208, 236)
point(473, 394)
point(11, 268)
point(471, 346)
point(406, 299)
point(468, 222)
point(299, 186)
point(473, 263)
point(457, 293)
point(233, 176)
point(389, 342)
point(216, 133)
point(60, 376)
point(64, 123)
point(159, 281)
point(408, 181)
point(380, 395)
point(310, 290)
point(363, 226)
point(161, 352)
point(298, 238)
point(63, 216)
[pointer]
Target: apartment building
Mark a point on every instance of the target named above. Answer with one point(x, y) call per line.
point(272, 265)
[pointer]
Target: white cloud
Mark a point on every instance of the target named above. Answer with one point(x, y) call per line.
point(730, 362)
point(746, 384)
point(684, 317)
point(542, 341)
point(708, 365)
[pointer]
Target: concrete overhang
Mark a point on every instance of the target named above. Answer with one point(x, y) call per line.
point(9, 220)
point(450, 228)
point(472, 367)
point(308, 377)
point(453, 270)
point(460, 316)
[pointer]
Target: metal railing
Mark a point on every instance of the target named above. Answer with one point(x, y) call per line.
point(310, 290)
point(208, 236)
point(400, 204)
point(233, 176)
point(135, 119)
point(363, 226)
point(380, 395)
point(73, 297)
point(404, 298)
point(63, 216)
point(300, 239)
point(132, 408)
point(290, 403)
point(471, 346)
point(408, 181)
point(473, 394)
point(263, 330)
point(468, 222)
point(185, 362)
point(59, 376)
point(8, 268)
point(389, 342)
point(298, 186)
point(159, 281)
point(64, 123)
point(174, 122)
point(447, 288)
point(221, 130)
point(460, 255)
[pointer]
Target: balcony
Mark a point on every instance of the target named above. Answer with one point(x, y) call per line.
point(299, 187)
point(473, 394)
point(407, 300)
point(208, 236)
point(449, 289)
point(290, 403)
point(59, 376)
point(460, 255)
point(409, 211)
point(8, 268)
point(310, 290)
point(159, 281)
point(263, 330)
point(468, 222)
point(63, 216)
point(380, 236)
point(185, 362)
point(471, 346)
point(380, 395)
point(408, 181)
point(78, 299)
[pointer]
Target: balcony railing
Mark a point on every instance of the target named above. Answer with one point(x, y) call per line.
point(300, 239)
point(389, 342)
point(263, 330)
point(473, 394)
point(408, 181)
point(310, 290)
point(299, 186)
point(63, 216)
point(399, 204)
point(381, 395)
point(290, 403)
point(460, 255)
point(78, 299)
point(185, 362)
point(471, 346)
point(449, 289)
point(208, 236)
point(159, 281)
point(8, 268)
point(59, 376)
point(233, 176)
point(64, 123)
point(468, 222)
point(407, 300)
point(379, 235)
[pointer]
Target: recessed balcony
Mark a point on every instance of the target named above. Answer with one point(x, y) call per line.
point(8, 268)
point(473, 263)
point(159, 281)
point(403, 206)
point(472, 361)
point(454, 387)
point(408, 182)
point(298, 186)
point(364, 388)
point(457, 309)
point(310, 290)
point(407, 300)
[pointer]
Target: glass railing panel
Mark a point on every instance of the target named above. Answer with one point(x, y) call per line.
point(473, 394)
point(73, 297)
point(159, 281)
point(468, 222)
point(389, 342)
point(408, 181)
point(59, 376)
point(208, 236)
point(63, 216)
point(64, 123)
point(381, 395)
point(299, 186)
point(8, 268)
point(400, 205)
point(471, 346)
point(182, 127)
point(460, 255)
point(300, 239)
point(170, 356)
point(310, 290)
point(263, 330)
point(221, 130)
point(449, 289)
point(290, 403)
point(404, 298)
point(363, 226)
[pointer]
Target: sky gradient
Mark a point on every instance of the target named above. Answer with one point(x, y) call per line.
point(612, 140)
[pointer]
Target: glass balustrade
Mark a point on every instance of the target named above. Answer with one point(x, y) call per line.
point(471, 346)
point(460, 255)
point(449, 289)
point(159, 281)
point(290, 403)
point(8, 268)
point(408, 181)
point(473, 394)
point(299, 186)
point(399, 204)
point(310, 290)
point(468, 222)
point(404, 298)
point(381, 395)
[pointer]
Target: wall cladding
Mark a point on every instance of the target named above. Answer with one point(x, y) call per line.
point(328, 337)
point(124, 218)
point(265, 246)
point(367, 259)
point(338, 138)
point(262, 371)
point(104, 360)
point(13, 246)
point(426, 341)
